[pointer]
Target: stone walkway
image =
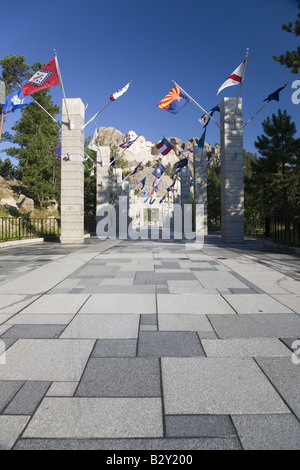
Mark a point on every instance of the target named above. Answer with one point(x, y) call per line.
point(149, 345)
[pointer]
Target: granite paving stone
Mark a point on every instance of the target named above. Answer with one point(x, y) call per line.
point(57, 303)
point(256, 303)
point(62, 389)
point(45, 319)
point(184, 444)
point(27, 398)
point(46, 359)
point(115, 348)
point(169, 343)
point(268, 432)
point(149, 344)
point(34, 331)
point(202, 385)
point(10, 429)
point(120, 303)
point(199, 426)
point(120, 377)
point(193, 303)
point(255, 325)
point(244, 347)
point(78, 417)
point(8, 389)
point(183, 322)
point(285, 376)
point(102, 326)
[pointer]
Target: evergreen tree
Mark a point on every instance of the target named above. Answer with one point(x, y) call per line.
point(7, 169)
point(38, 168)
point(90, 180)
point(275, 172)
point(291, 59)
point(213, 197)
point(253, 213)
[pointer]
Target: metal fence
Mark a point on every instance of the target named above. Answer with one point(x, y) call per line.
point(26, 227)
point(283, 229)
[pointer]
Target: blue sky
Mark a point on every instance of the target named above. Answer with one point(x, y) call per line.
point(102, 45)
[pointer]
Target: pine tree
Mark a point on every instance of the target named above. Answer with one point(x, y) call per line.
point(291, 59)
point(275, 172)
point(37, 135)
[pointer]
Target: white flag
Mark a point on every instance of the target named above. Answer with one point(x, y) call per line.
point(94, 143)
point(235, 78)
point(119, 93)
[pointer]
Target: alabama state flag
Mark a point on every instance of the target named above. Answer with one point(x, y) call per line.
point(46, 77)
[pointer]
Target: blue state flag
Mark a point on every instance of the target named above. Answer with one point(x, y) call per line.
point(202, 140)
point(159, 170)
point(16, 100)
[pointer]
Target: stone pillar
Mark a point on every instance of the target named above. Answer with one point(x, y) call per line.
point(72, 173)
point(232, 171)
point(186, 201)
point(200, 190)
point(103, 179)
point(103, 186)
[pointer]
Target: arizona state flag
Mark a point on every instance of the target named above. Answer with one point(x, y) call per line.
point(46, 77)
point(174, 101)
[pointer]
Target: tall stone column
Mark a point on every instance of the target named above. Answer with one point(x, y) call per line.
point(185, 201)
point(232, 171)
point(72, 173)
point(200, 190)
point(103, 187)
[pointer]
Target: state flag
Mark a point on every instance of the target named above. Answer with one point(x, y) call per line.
point(159, 170)
point(16, 100)
point(204, 120)
point(181, 163)
point(235, 78)
point(46, 77)
point(164, 146)
point(119, 93)
point(174, 101)
point(275, 94)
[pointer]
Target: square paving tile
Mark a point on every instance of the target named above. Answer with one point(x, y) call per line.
point(193, 303)
point(45, 319)
point(102, 326)
point(217, 386)
point(76, 418)
point(120, 377)
point(120, 303)
point(46, 359)
point(268, 432)
point(169, 343)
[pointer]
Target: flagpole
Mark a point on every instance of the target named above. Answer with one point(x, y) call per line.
point(124, 150)
point(1, 123)
point(71, 124)
point(256, 113)
point(246, 58)
point(83, 127)
point(197, 104)
point(53, 118)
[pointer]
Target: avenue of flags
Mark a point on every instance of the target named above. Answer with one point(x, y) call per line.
point(49, 76)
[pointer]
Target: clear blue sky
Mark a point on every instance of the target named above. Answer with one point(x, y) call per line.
point(102, 45)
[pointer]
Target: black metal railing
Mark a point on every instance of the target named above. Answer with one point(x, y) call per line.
point(28, 227)
point(283, 229)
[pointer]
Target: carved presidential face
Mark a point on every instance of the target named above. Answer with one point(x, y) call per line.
point(131, 135)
